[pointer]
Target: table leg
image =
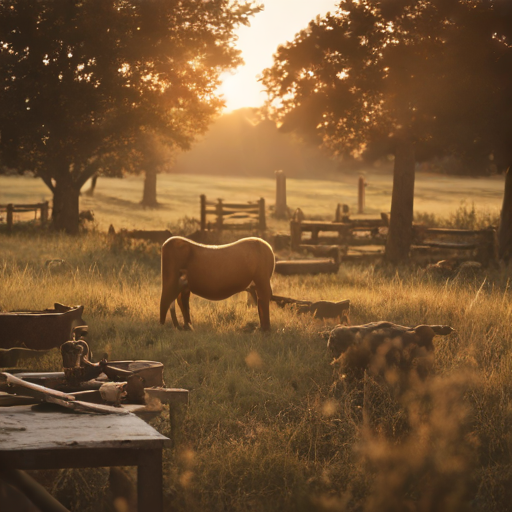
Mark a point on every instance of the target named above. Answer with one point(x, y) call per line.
point(150, 482)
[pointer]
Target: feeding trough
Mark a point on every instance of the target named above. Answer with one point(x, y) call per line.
point(39, 330)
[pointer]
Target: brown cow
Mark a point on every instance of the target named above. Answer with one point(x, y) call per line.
point(379, 346)
point(215, 273)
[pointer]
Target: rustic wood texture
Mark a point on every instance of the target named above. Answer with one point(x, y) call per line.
point(29, 439)
point(39, 330)
point(254, 212)
point(34, 428)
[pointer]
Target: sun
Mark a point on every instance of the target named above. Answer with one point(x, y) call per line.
point(239, 92)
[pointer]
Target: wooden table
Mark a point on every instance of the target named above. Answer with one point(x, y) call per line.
point(49, 437)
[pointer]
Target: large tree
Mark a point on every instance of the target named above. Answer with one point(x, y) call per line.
point(83, 82)
point(411, 78)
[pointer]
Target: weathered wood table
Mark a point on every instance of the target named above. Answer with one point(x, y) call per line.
point(49, 437)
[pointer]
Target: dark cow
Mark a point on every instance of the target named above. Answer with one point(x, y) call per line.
point(379, 346)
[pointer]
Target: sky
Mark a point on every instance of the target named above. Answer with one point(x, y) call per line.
point(277, 23)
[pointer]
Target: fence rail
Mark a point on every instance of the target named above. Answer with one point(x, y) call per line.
point(227, 215)
point(355, 234)
point(10, 209)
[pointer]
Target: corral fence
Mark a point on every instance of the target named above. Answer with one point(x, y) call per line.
point(11, 209)
point(232, 216)
point(366, 238)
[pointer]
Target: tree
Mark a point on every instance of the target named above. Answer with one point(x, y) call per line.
point(81, 80)
point(412, 78)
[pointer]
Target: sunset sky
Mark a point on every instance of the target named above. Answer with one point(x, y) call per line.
point(277, 23)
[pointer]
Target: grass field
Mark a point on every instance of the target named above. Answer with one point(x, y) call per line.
point(117, 201)
point(272, 425)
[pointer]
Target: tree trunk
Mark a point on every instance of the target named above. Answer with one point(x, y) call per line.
point(149, 194)
point(399, 239)
point(505, 229)
point(65, 206)
point(90, 191)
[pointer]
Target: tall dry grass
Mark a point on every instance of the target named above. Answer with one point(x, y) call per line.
point(269, 426)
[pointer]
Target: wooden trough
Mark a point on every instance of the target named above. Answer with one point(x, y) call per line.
point(39, 330)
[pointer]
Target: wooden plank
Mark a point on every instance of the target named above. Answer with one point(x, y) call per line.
point(447, 231)
point(240, 206)
point(307, 225)
point(15, 385)
point(32, 207)
point(317, 266)
point(8, 400)
point(245, 225)
point(450, 245)
point(76, 431)
point(367, 223)
point(21, 387)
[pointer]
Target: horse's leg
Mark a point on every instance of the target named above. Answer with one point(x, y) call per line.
point(264, 293)
point(184, 304)
point(173, 313)
point(170, 292)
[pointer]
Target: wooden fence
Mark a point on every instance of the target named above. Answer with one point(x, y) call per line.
point(358, 235)
point(11, 209)
point(232, 216)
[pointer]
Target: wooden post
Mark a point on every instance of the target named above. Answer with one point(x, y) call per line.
point(486, 252)
point(10, 216)
point(262, 225)
point(150, 481)
point(361, 194)
point(296, 234)
point(505, 226)
point(219, 215)
point(202, 211)
point(281, 209)
point(44, 212)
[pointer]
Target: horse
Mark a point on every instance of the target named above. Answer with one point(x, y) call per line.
point(215, 273)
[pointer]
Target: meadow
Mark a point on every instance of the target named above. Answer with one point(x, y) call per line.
point(272, 425)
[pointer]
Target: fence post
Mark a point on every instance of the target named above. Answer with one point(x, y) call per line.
point(202, 211)
point(486, 252)
point(219, 215)
point(361, 194)
point(10, 216)
point(296, 234)
point(44, 212)
point(262, 225)
point(342, 213)
point(281, 209)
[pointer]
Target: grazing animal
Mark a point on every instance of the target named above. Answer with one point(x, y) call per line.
point(215, 273)
point(323, 309)
point(379, 346)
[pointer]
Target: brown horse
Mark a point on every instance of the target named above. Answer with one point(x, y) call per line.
point(215, 273)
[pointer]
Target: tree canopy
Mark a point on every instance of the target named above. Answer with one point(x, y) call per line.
point(412, 78)
point(84, 83)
